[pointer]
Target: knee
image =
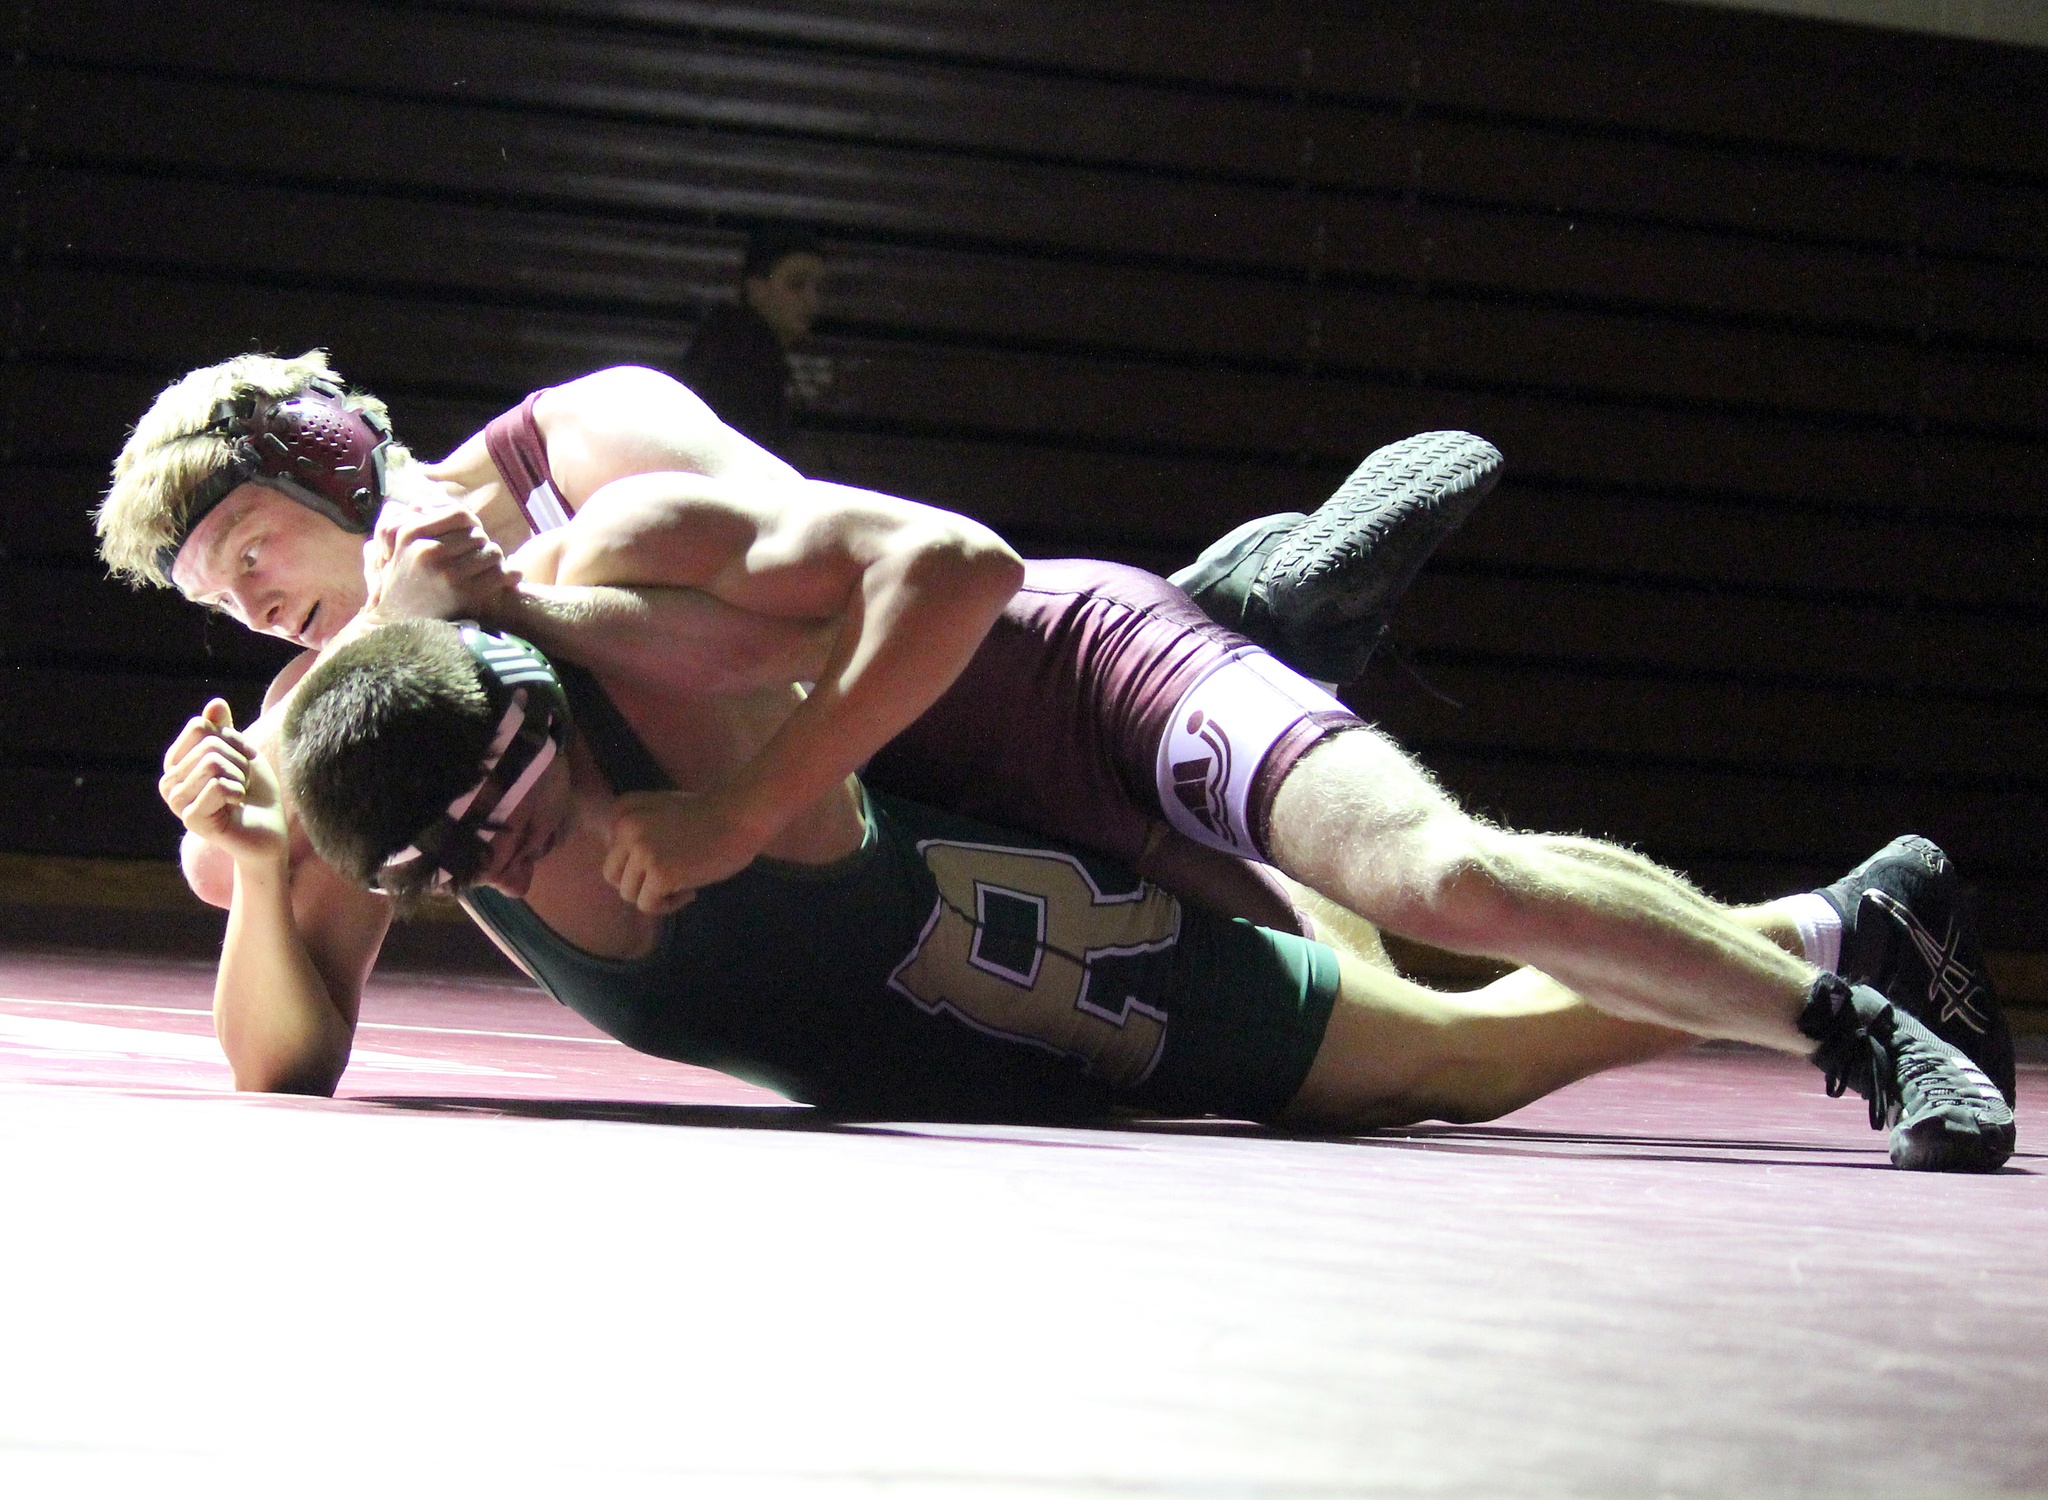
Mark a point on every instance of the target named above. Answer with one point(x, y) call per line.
point(1456, 887)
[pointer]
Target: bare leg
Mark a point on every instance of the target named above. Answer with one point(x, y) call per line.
point(1360, 822)
point(1209, 877)
point(1346, 931)
point(1396, 1053)
point(1769, 922)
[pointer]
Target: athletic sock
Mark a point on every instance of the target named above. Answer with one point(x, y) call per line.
point(1820, 928)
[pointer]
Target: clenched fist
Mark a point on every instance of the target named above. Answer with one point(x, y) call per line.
point(434, 564)
point(666, 846)
point(222, 789)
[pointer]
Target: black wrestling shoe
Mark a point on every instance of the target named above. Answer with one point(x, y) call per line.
point(1907, 933)
point(1944, 1114)
point(1316, 590)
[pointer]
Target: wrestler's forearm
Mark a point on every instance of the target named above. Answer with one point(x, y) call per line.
point(677, 640)
point(921, 612)
point(279, 1020)
point(593, 627)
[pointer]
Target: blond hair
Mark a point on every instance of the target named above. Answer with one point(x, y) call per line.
point(176, 449)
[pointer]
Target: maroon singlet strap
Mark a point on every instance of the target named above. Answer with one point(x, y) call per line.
point(520, 454)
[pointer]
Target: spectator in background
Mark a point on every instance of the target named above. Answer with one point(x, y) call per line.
point(739, 361)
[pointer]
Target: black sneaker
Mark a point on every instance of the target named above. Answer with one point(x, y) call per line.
point(1221, 579)
point(1316, 590)
point(1944, 1114)
point(1907, 933)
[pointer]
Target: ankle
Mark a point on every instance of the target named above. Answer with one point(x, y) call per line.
point(1830, 1007)
point(1814, 924)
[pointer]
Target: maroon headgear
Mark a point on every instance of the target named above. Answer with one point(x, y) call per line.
point(310, 445)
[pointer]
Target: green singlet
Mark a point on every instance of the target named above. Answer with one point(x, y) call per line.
point(946, 969)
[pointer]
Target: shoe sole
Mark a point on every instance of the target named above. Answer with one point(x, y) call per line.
point(1364, 545)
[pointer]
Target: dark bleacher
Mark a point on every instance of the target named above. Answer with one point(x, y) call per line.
point(1752, 304)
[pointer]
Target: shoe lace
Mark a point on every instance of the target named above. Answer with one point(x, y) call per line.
point(1399, 655)
point(1863, 1063)
point(1937, 1082)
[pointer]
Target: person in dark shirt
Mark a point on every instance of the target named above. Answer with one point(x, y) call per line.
point(739, 360)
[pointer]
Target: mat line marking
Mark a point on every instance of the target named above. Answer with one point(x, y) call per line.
point(179, 1010)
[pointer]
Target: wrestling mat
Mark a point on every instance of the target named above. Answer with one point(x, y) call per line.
point(515, 1258)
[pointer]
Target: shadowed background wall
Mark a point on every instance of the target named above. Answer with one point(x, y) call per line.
point(1752, 303)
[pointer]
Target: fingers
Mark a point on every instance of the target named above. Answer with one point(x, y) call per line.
point(212, 781)
point(625, 839)
point(448, 526)
point(204, 793)
point(468, 566)
point(211, 760)
point(616, 858)
point(188, 738)
point(644, 887)
point(214, 726)
point(210, 792)
point(640, 885)
point(628, 862)
point(378, 549)
point(632, 863)
point(436, 563)
point(443, 532)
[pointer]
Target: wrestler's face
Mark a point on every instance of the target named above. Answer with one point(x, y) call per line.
point(531, 832)
point(274, 565)
point(787, 297)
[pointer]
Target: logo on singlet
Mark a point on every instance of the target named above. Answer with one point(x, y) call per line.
point(1027, 945)
point(1200, 782)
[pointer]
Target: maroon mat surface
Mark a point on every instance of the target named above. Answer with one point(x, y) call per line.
point(516, 1258)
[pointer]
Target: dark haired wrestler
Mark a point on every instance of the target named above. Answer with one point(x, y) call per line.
point(888, 958)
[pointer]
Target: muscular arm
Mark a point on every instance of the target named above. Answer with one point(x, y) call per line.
point(300, 940)
point(762, 561)
point(878, 602)
point(300, 944)
point(751, 578)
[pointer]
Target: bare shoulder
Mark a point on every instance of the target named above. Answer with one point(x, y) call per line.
point(631, 420)
point(470, 468)
point(628, 420)
point(279, 693)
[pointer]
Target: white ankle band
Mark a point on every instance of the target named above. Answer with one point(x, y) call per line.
point(1820, 928)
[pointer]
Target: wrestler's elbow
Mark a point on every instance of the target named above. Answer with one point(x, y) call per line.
point(313, 1071)
point(209, 870)
point(962, 559)
point(311, 1084)
point(275, 1048)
